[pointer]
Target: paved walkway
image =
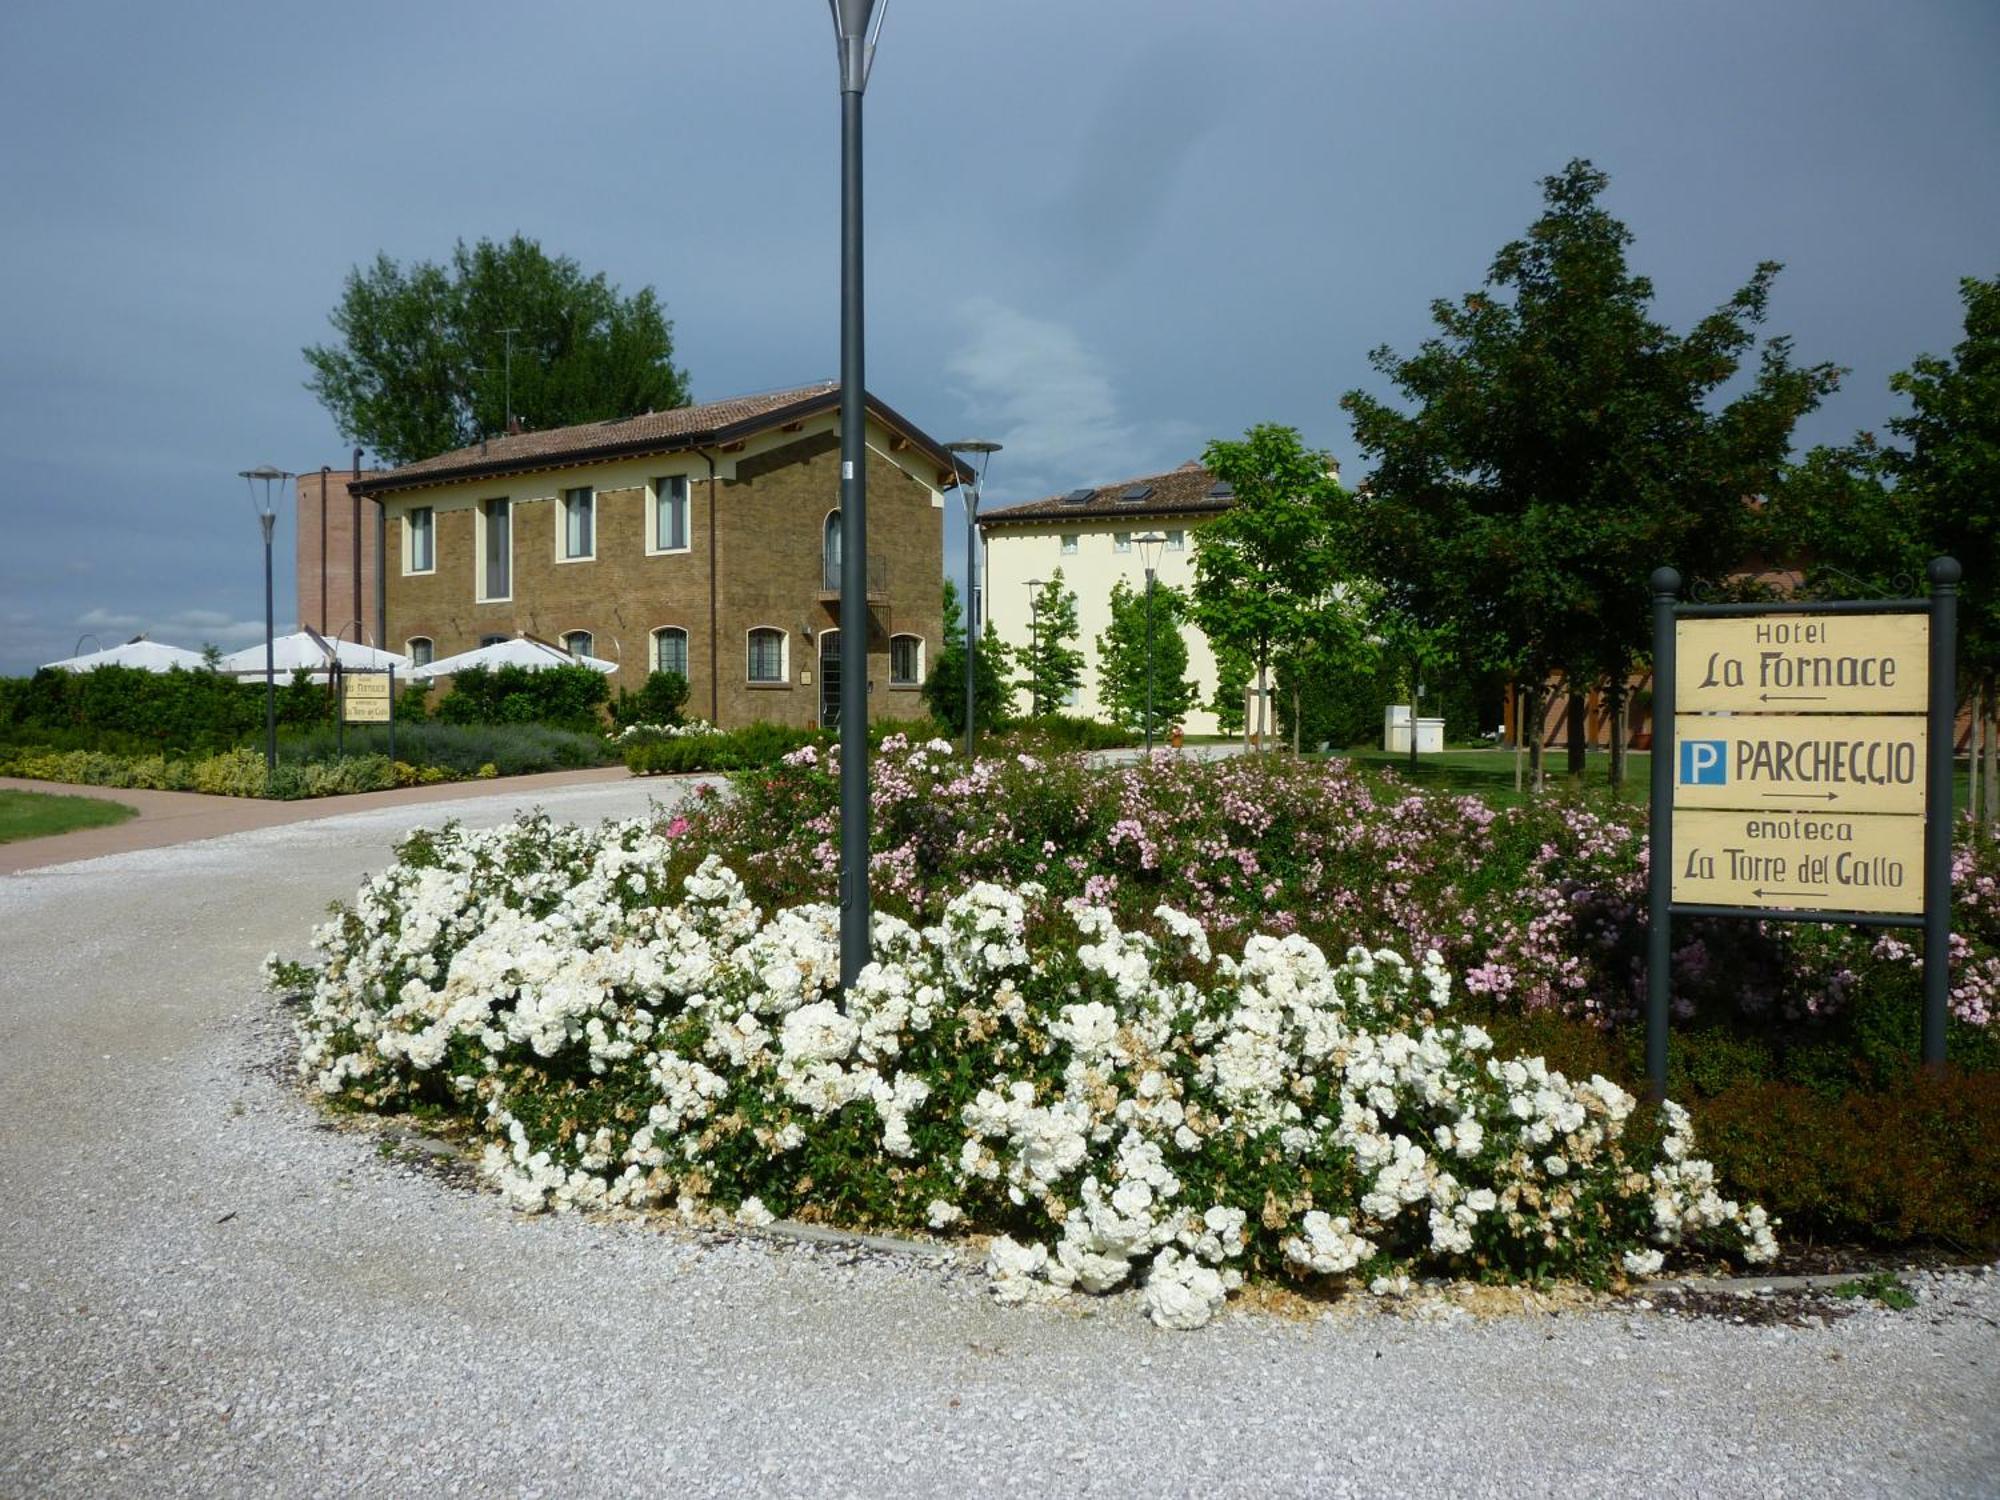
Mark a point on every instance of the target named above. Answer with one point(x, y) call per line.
point(182, 817)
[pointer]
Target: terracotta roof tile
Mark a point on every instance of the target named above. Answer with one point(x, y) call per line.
point(657, 431)
point(1178, 492)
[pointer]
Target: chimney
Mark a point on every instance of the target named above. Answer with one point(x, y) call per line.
point(514, 428)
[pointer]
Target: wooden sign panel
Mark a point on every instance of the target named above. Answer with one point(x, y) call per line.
point(1800, 762)
point(365, 697)
point(1869, 862)
point(1847, 664)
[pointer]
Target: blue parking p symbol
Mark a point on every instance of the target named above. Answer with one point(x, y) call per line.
point(1703, 763)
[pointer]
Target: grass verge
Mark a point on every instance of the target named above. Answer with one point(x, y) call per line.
point(35, 815)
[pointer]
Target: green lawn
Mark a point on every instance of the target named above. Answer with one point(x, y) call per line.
point(1490, 773)
point(33, 815)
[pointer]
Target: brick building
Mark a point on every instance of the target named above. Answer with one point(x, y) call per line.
point(326, 512)
point(703, 540)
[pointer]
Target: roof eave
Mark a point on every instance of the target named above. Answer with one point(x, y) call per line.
point(955, 470)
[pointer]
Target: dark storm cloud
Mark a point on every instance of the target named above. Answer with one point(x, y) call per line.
point(1101, 233)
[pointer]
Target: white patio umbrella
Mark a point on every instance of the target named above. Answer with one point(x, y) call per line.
point(310, 650)
point(521, 651)
point(148, 656)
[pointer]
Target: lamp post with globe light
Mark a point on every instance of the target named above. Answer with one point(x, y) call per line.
point(985, 450)
point(856, 26)
point(267, 517)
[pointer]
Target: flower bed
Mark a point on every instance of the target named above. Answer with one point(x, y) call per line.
point(1115, 1107)
point(1539, 908)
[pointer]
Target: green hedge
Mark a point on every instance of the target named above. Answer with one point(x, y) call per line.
point(1916, 1162)
point(461, 749)
point(124, 708)
point(571, 698)
point(234, 773)
point(743, 749)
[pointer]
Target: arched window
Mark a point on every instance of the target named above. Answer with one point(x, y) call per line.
point(421, 649)
point(670, 650)
point(492, 640)
point(577, 643)
point(906, 660)
point(766, 656)
point(830, 575)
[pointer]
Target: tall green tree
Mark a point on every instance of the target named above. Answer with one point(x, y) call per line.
point(1267, 571)
point(1879, 512)
point(1051, 663)
point(1125, 654)
point(1561, 443)
point(944, 689)
point(423, 365)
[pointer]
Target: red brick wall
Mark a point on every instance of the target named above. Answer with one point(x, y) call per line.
point(329, 609)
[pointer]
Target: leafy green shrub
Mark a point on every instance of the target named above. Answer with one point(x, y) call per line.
point(235, 773)
point(124, 708)
point(564, 697)
point(659, 701)
point(461, 749)
point(1056, 733)
point(749, 748)
point(333, 778)
point(1920, 1161)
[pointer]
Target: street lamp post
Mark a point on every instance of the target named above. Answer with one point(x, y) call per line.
point(1034, 650)
point(267, 518)
point(1149, 552)
point(985, 450)
point(856, 26)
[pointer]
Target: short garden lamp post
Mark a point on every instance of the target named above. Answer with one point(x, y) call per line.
point(267, 518)
point(985, 450)
point(1149, 553)
point(1034, 650)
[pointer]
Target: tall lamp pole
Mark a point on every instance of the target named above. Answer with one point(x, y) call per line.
point(267, 518)
point(856, 26)
point(1150, 546)
point(985, 450)
point(1034, 651)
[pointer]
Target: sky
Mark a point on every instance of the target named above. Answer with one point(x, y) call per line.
point(1100, 232)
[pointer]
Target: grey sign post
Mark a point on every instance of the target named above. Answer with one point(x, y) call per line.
point(1940, 613)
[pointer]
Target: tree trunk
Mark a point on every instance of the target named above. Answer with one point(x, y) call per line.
point(1578, 756)
point(1295, 717)
point(1416, 692)
point(1976, 777)
point(1619, 695)
point(1535, 757)
point(1520, 745)
point(1992, 758)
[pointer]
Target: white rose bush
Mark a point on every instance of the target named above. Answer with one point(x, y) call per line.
point(1110, 1108)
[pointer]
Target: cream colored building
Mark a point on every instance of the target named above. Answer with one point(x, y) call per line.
point(1089, 534)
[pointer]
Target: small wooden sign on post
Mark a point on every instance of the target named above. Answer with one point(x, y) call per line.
point(364, 697)
point(1802, 762)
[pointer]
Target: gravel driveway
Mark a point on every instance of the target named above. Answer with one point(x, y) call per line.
point(209, 1291)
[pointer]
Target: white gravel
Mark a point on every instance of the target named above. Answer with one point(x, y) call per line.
point(209, 1291)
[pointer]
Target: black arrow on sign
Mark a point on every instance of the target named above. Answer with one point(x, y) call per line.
point(1804, 796)
point(1792, 697)
point(1755, 891)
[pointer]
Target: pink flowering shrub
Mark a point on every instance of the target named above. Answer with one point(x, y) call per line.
point(1540, 908)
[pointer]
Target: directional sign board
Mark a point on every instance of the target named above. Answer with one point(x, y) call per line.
point(1819, 762)
point(1800, 759)
point(1848, 664)
point(364, 697)
point(1862, 863)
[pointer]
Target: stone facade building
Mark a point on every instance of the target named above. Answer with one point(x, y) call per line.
point(703, 540)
